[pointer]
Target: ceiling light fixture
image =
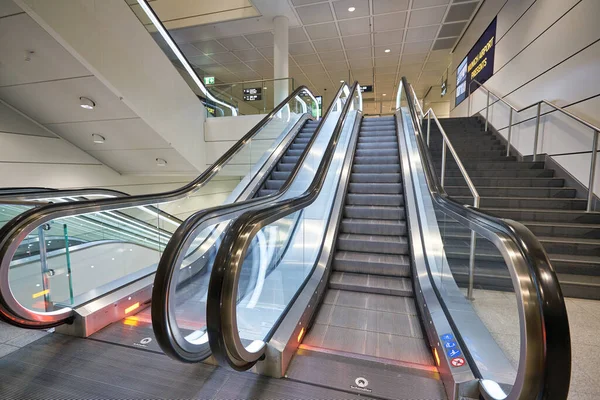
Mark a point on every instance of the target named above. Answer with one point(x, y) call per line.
point(342, 81)
point(86, 103)
point(99, 139)
point(161, 162)
point(351, 9)
point(387, 50)
point(385, 94)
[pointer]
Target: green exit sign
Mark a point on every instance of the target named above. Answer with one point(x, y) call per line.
point(209, 80)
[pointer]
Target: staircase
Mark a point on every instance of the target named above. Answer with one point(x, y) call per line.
point(524, 191)
point(289, 160)
point(369, 310)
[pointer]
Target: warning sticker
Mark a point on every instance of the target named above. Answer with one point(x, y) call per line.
point(457, 362)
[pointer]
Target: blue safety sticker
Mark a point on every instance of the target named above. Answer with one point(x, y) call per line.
point(450, 345)
point(447, 336)
point(453, 353)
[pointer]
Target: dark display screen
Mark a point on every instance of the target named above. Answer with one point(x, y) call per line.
point(478, 65)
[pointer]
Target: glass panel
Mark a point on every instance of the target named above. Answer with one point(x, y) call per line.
point(9, 211)
point(488, 321)
point(92, 253)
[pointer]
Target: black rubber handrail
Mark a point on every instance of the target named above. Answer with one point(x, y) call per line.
point(14, 231)
point(164, 320)
point(545, 365)
point(223, 334)
point(40, 193)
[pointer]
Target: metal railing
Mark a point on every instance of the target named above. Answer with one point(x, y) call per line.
point(446, 143)
point(544, 361)
point(538, 106)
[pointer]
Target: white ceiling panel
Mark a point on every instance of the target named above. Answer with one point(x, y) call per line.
point(225, 58)
point(362, 63)
point(355, 26)
point(391, 37)
point(389, 22)
point(313, 69)
point(394, 50)
point(237, 67)
point(353, 42)
point(263, 39)
point(315, 13)
point(385, 70)
point(429, 16)
point(388, 6)
point(13, 122)
point(333, 56)
point(428, 3)
point(327, 45)
point(322, 31)
point(342, 8)
point(8, 7)
point(356, 54)
point(386, 62)
point(421, 34)
point(122, 134)
point(20, 34)
point(58, 101)
point(413, 58)
point(144, 161)
point(296, 35)
point(235, 43)
point(417, 47)
point(307, 59)
point(301, 48)
point(267, 52)
point(210, 47)
point(248, 55)
point(335, 66)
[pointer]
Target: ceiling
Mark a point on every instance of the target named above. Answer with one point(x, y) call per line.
point(44, 81)
point(330, 44)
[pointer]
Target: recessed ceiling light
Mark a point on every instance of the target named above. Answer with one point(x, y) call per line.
point(98, 138)
point(161, 162)
point(385, 94)
point(86, 103)
point(351, 9)
point(265, 88)
point(387, 50)
point(342, 81)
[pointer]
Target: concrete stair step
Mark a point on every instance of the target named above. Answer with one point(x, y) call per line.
point(554, 192)
point(526, 202)
point(545, 215)
point(507, 182)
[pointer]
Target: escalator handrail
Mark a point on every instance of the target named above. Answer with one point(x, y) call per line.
point(14, 231)
point(44, 193)
point(164, 323)
point(221, 322)
point(545, 356)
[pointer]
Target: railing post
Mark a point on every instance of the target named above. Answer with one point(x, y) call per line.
point(487, 110)
point(537, 131)
point(428, 126)
point(469, 100)
point(472, 257)
point(443, 161)
point(44, 265)
point(592, 171)
point(509, 132)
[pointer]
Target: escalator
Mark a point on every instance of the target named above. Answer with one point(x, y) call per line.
point(87, 263)
point(361, 298)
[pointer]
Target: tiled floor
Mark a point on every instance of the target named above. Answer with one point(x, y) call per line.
point(498, 311)
point(13, 338)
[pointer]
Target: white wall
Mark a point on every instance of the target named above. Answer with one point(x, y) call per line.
point(109, 40)
point(545, 50)
point(30, 155)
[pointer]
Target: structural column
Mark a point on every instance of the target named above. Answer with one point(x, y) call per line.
point(280, 53)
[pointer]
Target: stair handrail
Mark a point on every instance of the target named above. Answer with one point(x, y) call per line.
point(538, 106)
point(19, 227)
point(446, 143)
point(545, 358)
